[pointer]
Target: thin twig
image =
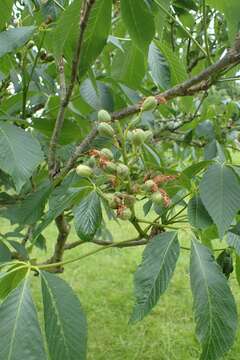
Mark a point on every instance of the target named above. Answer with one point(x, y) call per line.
point(84, 16)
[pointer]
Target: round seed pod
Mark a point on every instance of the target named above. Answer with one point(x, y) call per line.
point(84, 170)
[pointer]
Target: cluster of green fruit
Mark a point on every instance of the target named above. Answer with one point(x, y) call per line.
point(119, 172)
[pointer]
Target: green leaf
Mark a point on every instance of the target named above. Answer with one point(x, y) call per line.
point(5, 253)
point(31, 208)
point(20, 153)
point(5, 10)
point(220, 194)
point(96, 34)
point(231, 9)
point(197, 214)
point(64, 35)
point(65, 322)
point(10, 279)
point(129, 67)
point(153, 275)
point(19, 329)
point(63, 197)
point(139, 21)
point(233, 238)
point(214, 305)
point(158, 67)
point(178, 71)
point(237, 269)
point(88, 216)
point(12, 39)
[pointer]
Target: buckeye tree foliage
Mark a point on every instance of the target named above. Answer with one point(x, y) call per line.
point(110, 110)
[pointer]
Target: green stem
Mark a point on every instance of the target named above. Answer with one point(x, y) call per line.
point(62, 263)
point(205, 32)
point(26, 84)
point(182, 26)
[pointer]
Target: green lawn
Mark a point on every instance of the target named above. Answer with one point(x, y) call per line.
point(104, 284)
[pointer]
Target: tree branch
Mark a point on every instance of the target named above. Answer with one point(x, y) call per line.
point(84, 16)
point(133, 242)
point(200, 82)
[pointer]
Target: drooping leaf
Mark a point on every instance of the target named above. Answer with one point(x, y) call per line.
point(129, 67)
point(214, 305)
point(220, 194)
point(10, 279)
point(19, 328)
point(158, 66)
point(12, 39)
point(96, 34)
point(62, 197)
point(20, 153)
point(64, 35)
point(139, 21)
point(153, 275)
point(5, 253)
point(31, 208)
point(197, 214)
point(88, 216)
point(64, 320)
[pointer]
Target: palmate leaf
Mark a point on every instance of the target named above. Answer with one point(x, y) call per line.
point(153, 275)
point(12, 39)
point(139, 21)
point(10, 279)
point(220, 194)
point(65, 323)
point(214, 305)
point(19, 329)
point(20, 153)
point(88, 216)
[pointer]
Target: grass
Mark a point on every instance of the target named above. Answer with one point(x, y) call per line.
point(103, 282)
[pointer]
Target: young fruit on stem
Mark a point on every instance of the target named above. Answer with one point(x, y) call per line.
point(105, 130)
point(124, 213)
point(149, 104)
point(138, 137)
point(157, 198)
point(122, 170)
point(84, 170)
point(104, 116)
point(107, 153)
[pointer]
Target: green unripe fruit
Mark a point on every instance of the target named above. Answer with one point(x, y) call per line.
point(105, 130)
point(129, 200)
point(157, 198)
point(122, 170)
point(148, 185)
point(84, 170)
point(138, 137)
point(149, 104)
point(111, 168)
point(148, 135)
point(107, 153)
point(104, 116)
point(92, 162)
point(125, 214)
point(129, 135)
